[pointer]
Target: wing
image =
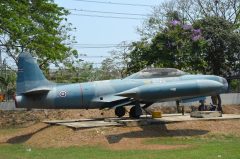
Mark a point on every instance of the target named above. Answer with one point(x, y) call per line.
point(170, 91)
point(112, 101)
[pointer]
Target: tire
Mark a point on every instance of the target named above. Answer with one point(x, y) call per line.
point(201, 108)
point(120, 111)
point(135, 112)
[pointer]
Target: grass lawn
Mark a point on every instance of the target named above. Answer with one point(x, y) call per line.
point(210, 147)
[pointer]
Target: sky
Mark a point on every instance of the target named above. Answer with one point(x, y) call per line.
point(99, 31)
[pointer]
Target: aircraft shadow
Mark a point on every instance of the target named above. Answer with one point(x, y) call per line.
point(25, 137)
point(154, 131)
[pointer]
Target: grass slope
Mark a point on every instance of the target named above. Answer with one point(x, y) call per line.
point(208, 147)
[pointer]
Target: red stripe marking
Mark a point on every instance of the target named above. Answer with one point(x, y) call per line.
point(81, 92)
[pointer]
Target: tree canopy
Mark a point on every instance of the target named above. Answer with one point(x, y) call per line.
point(36, 26)
point(222, 50)
point(192, 35)
point(178, 46)
point(189, 11)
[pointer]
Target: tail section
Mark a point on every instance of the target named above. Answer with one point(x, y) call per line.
point(30, 79)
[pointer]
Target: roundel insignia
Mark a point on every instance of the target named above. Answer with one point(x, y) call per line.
point(62, 93)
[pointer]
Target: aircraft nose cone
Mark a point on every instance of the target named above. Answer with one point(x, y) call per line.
point(225, 84)
point(210, 86)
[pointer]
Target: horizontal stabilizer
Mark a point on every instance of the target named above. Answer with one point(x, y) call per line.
point(37, 91)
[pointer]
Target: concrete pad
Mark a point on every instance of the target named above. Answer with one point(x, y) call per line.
point(173, 118)
point(186, 117)
point(144, 120)
point(90, 124)
point(67, 121)
point(205, 114)
point(133, 122)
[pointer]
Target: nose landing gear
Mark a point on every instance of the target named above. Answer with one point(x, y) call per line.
point(216, 104)
point(216, 100)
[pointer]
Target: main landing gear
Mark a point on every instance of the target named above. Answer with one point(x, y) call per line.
point(120, 112)
point(135, 112)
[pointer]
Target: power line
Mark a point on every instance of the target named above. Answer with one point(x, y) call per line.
point(98, 46)
point(95, 47)
point(94, 44)
point(101, 16)
point(115, 3)
point(107, 12)
point(101, 43)
point(81, 56)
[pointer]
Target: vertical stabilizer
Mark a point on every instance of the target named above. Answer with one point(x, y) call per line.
point(29, 76)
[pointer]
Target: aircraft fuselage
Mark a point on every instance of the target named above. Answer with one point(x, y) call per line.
point(92, 95)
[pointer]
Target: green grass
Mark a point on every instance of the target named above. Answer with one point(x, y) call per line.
point(214, 146)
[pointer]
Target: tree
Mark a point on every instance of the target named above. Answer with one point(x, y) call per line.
point(139, 56)
point(36, 26)
point(178, 45)
point(80, 72)
point(223, 45)
point(211, 46)
point(190, 10)
point(116, 65)
point(7, 83)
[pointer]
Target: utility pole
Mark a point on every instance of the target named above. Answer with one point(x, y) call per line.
point(0, 57)
point(1, 63)
point(216, 6)
point(4, 67)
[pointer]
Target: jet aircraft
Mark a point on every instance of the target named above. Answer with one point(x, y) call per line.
point(140, 90)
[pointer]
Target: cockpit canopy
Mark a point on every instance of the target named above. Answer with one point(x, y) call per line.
point(157, 73)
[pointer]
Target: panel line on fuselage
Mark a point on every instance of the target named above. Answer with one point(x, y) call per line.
point(81, 93)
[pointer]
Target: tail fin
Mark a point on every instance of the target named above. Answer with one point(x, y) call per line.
point(30, 78)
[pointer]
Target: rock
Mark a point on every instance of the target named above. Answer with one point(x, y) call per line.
point(205, 114)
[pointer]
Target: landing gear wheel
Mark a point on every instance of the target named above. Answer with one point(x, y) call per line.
point(120, 111)
point(219, 108)
point(135, 112)
point(202, 106)
point(216, 100)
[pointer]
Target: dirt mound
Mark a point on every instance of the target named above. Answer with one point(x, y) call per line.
point(231, 109)
point(26, 128)
point(117, 138)
point(25, 118)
